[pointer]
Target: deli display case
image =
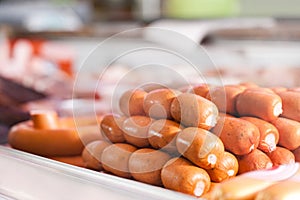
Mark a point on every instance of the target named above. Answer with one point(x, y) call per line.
point(217, 97)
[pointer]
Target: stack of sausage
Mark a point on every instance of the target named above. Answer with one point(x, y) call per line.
point(189, 140)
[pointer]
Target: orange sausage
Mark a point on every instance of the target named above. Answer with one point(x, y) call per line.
point(145, 165)
point(289, 132)
point(92, 153)
point(296, 153)
point(157, 103)
point(261, 89)
point(162, 135)
point(136, 130)
point(255, 103)
point(181, 175)
point(111, 128)
point(227, 166)
point(115, 159)
point(282, 190)
point(193, 110)
point(71, 160)
point(238, 136)
point(281, 156)
point(200, 89)
point(278, 89)
point(295, 89)
point(228, 94)
point(269, 135)
point(131, 102)
point(291, 104)
point(48, 139)
point(200, 146)
point(249, 84)
point(254, 161)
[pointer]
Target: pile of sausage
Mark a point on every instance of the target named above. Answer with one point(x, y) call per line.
point(187, 140)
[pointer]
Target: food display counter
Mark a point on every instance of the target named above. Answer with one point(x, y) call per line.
point(220, 121)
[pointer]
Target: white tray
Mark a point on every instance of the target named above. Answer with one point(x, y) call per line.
point(26, 176)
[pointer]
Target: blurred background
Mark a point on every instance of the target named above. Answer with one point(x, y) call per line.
point(43, 44)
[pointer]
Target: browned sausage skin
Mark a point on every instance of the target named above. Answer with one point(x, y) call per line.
point(269, 135)
point(92, 153)
point(238, 136)
point(254, 161)
point(115, 159)
point(136, 130)
point(289, 132)
point(111, 128)
point(193, 110)
point(131, 102)
point(145, 165)
point(228, 94)
point(181, 175)
point(199, 89)
point(261, 104)
point(157, 103)
point(162, 135)
point(281, 156)
point(199, 146)
point(290, 104)
point(226, 167)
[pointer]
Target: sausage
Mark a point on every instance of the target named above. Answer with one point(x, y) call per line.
point(269, 135)
point(290, 104)
point(131, 102)
point(296, 153)
point(181, 175)
point(71, 160)
point(255, 160)
point(201, 89)
point(145, 165)
point(136, 130)
point(289, 132)
point(157, 103)
point(115, 159)
point(228, 94)
point(200, 146)
point(278, 89)
point(226, 167)
point(208, 195)
point(92, 153)
point(43, 137)
point(239, 136)
point(295, 89)
point(281, 156)
point(44, 119)
point(111, 128)
point(249, 84)
point(255, 103)
point(152, 86)
point(239, 187)
point(162, 135)
point(281, 190)
point(261, 89)
point(193, 110)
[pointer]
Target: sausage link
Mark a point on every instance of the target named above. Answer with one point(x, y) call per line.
point(181, 175)
point(200, 146)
